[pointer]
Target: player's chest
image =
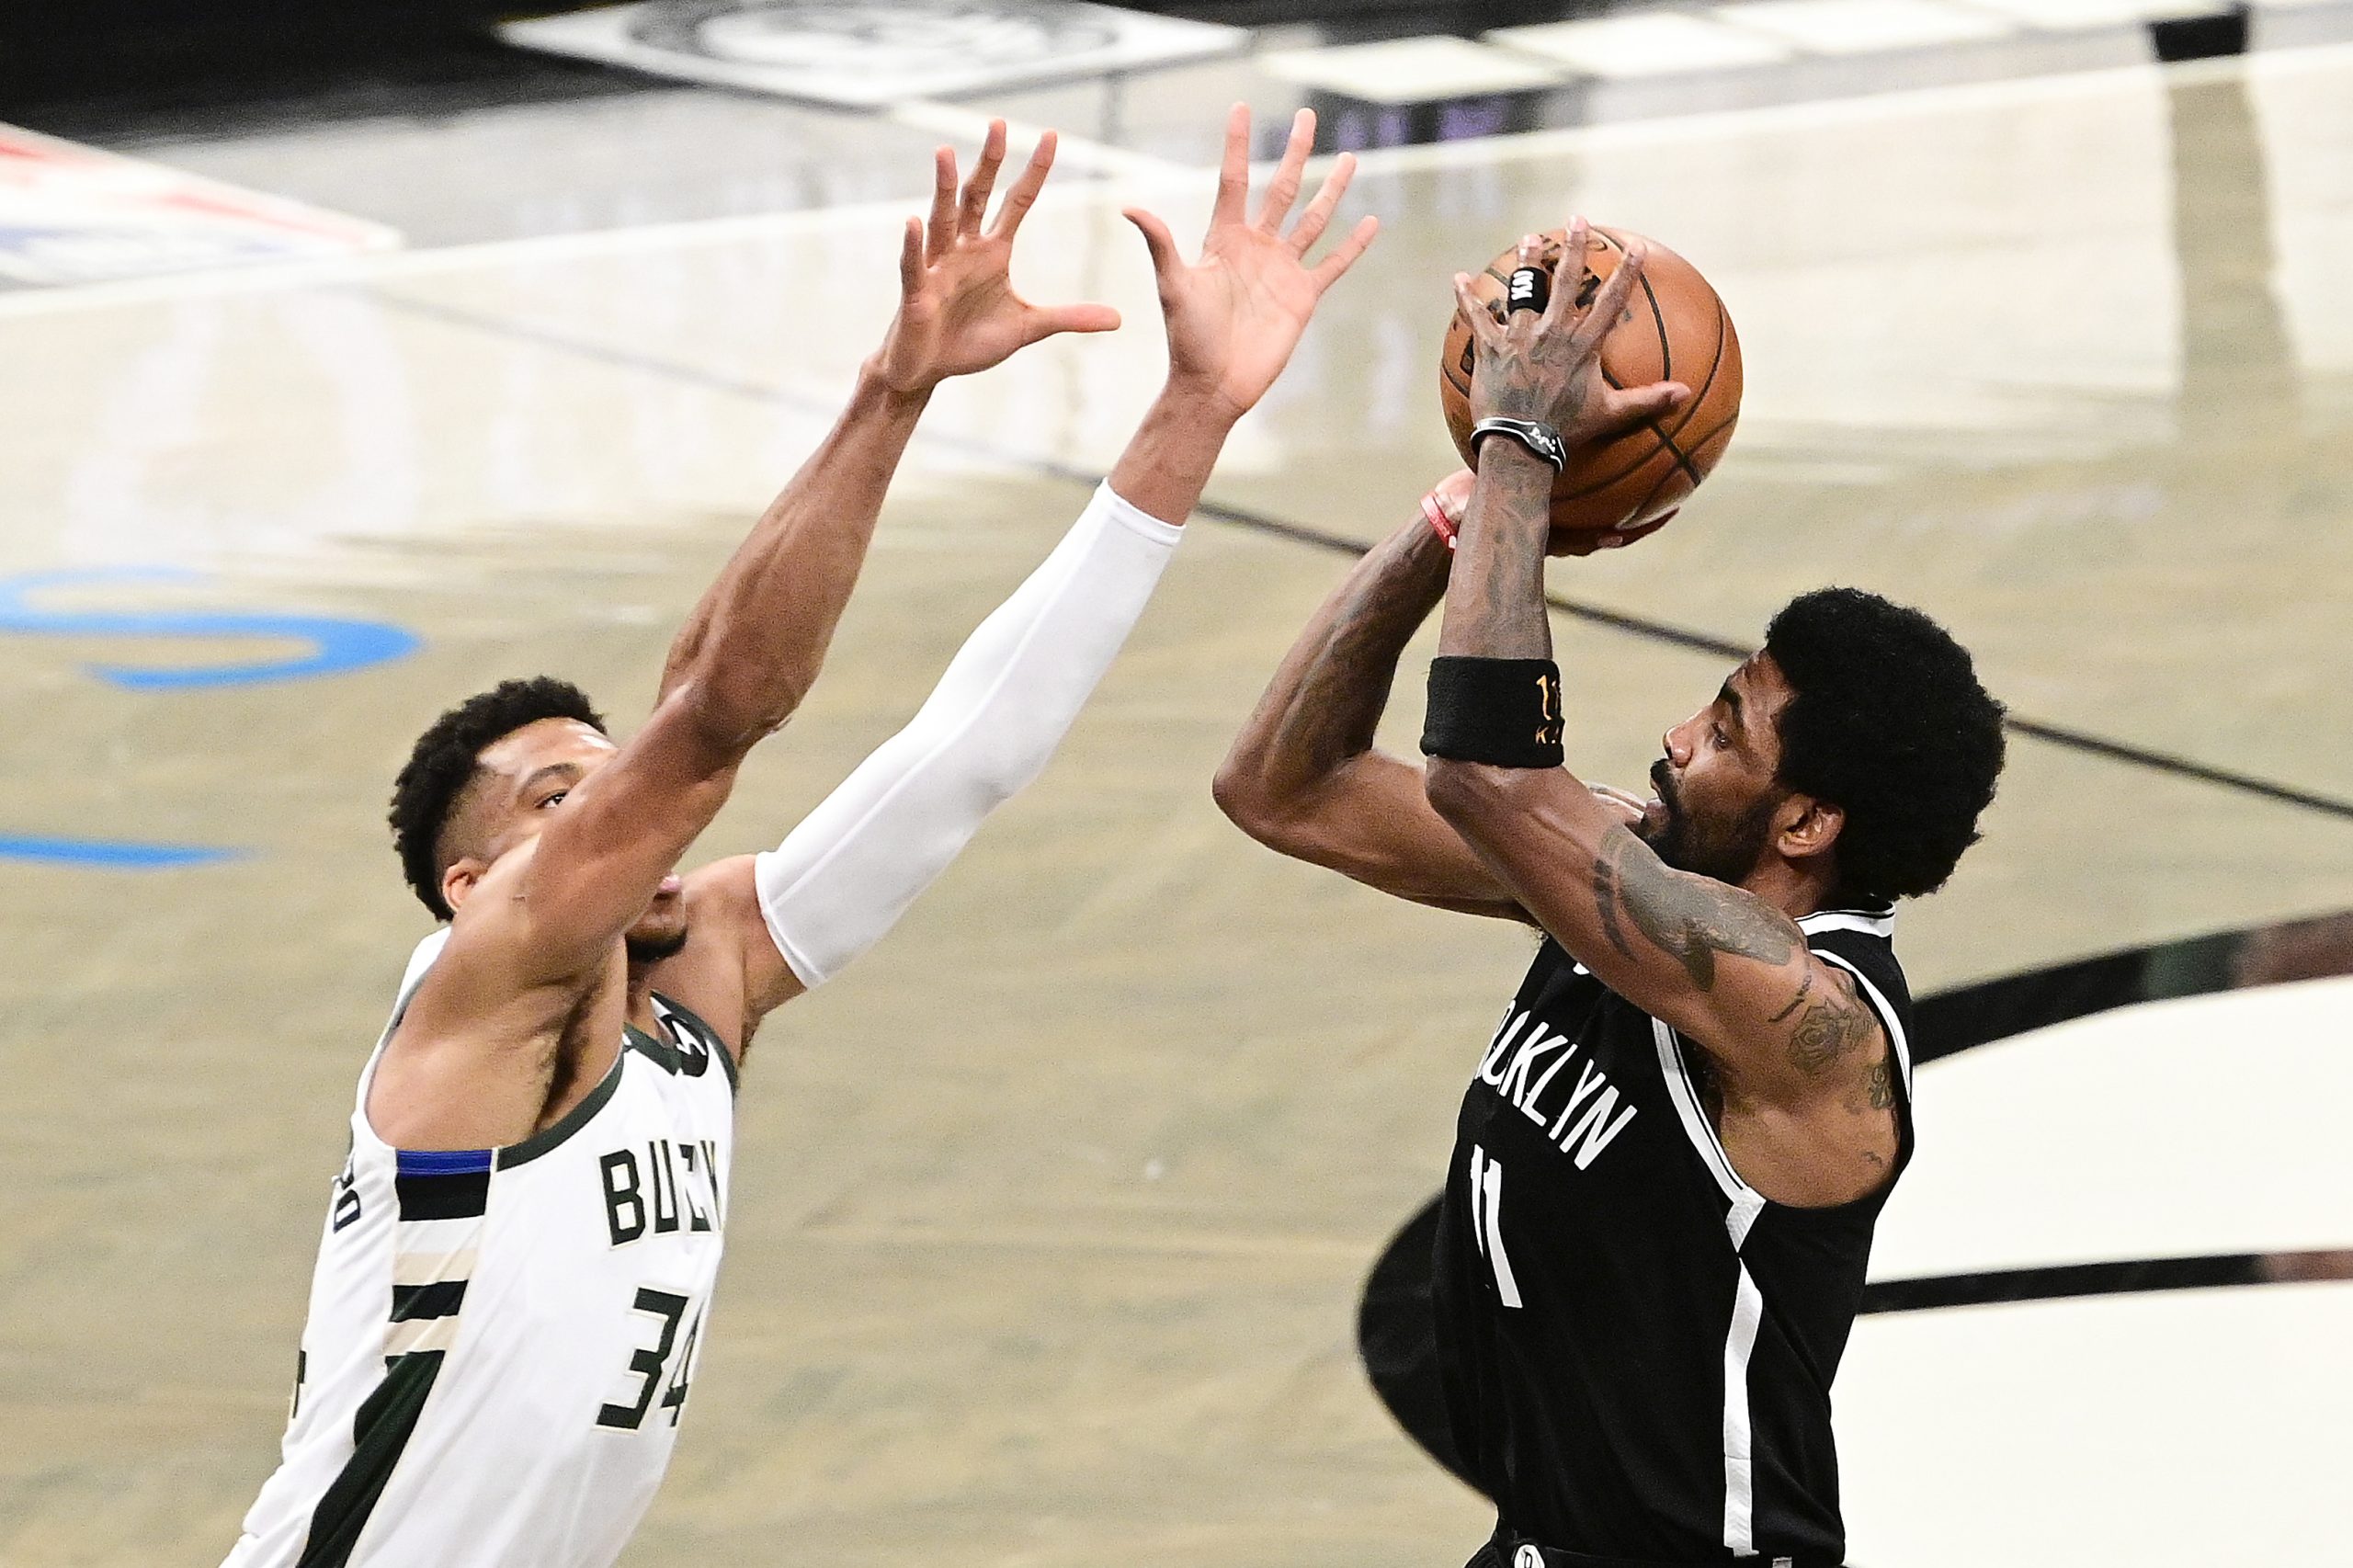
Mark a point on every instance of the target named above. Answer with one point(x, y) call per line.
point(1571, 1074)
point(645, 1173)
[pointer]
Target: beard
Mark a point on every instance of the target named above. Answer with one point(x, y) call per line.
point(653, 949)
point(1726, 850)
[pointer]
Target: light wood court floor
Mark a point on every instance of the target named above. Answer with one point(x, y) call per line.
point(1051, 1217)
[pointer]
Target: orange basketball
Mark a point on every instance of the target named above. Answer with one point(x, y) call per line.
point(1673, 329)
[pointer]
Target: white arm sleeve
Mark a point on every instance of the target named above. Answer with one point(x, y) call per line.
point(843, 878)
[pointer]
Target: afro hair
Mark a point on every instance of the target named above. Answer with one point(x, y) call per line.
point(1886, 720)
point(445, 757)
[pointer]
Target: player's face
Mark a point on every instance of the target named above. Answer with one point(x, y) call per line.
point(1716, 793)
point(530, 775)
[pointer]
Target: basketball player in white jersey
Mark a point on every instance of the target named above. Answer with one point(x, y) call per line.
point(518, 1257)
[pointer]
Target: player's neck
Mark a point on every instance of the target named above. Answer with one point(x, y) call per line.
point(641, 998)
point(1795, 892)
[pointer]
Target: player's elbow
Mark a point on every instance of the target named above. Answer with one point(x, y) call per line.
point(1472, 796)
point(1231, 788)
point(720, 719)
point(1242, 793)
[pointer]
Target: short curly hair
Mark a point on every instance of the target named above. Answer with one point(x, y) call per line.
point(446, 758)
point(1886, 720)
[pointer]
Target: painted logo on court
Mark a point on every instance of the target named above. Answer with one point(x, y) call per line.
point(868, 53)
point(320, 645)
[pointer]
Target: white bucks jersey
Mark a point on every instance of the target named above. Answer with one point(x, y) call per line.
point(501, 1341)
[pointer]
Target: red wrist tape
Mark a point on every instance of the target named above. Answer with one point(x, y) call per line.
point(1440, 523)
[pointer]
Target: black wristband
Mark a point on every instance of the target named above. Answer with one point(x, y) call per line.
point(1502, 711)
point(1534, 434)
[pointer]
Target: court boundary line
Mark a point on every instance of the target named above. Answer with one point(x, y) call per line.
point(2064, 736)
point(1135, 171)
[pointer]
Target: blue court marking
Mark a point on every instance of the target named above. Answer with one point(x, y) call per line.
point(338, 644)
point(118, 854)
point(441, 1162)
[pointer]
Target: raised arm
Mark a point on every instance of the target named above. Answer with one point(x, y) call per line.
point(803, 911)
point(958, 314)
point(750, 651)
point(1715, 961)
point(541, 913)
point(1304, 777)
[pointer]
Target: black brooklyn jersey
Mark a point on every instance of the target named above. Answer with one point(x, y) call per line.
point(1638, 1347)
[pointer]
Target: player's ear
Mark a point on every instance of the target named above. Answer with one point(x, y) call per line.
point(1805, 828)
point(459, 880)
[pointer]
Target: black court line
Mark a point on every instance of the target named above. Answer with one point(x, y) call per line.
point(1643, 626)
point(1701, 641)
point(2119, 1277)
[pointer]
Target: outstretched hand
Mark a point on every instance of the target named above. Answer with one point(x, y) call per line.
point(1235, 316)
point(958, 313)
point(1451, 497)
point(1546, 365)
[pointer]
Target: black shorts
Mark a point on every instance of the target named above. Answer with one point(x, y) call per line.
point(1507, 1549)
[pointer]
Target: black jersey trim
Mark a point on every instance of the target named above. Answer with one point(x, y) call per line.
point(380, 1433)
point(449, 1194)
point(569, 1122)
point(440, 1299)
point(704, 1035)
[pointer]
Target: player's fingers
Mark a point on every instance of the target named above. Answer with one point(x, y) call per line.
point(1157, 239)
point(1589, 542)
point(1474, 311)
point(941, 231)
point(1628, 808)
point(1529, 256)
point(975, 202)
point(1046, 321)
point(1568, 272)
point(911, 258)
point(1233, 172)
point(1610, 303)
point(1313, 222)
point(1619, 538)
point(1452, 494)
point(1344, 256)
point(1634, 405)
point(1288, 172)
point(1024, 191)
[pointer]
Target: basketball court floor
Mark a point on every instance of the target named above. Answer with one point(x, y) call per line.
point(1053, 1217)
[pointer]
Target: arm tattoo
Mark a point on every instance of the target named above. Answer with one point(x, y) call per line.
point(1495, 601)
point(1876, 1091)
point(1690, 918)
point(1805, 989)
point(1606, 899)
point(1830, 1031)
point(1331, 713)
point(1825, 1033)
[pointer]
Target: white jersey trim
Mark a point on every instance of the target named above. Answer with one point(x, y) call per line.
point(1872, 923)
point(1740, 1475)
point(1878, 1005)
point(1694, 1117)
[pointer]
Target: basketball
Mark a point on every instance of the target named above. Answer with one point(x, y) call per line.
point(1674, 328)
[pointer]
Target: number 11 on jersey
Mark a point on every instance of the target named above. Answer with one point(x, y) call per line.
point(1487, 1221)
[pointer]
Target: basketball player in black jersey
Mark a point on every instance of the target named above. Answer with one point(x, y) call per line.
point(1670, 1158)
